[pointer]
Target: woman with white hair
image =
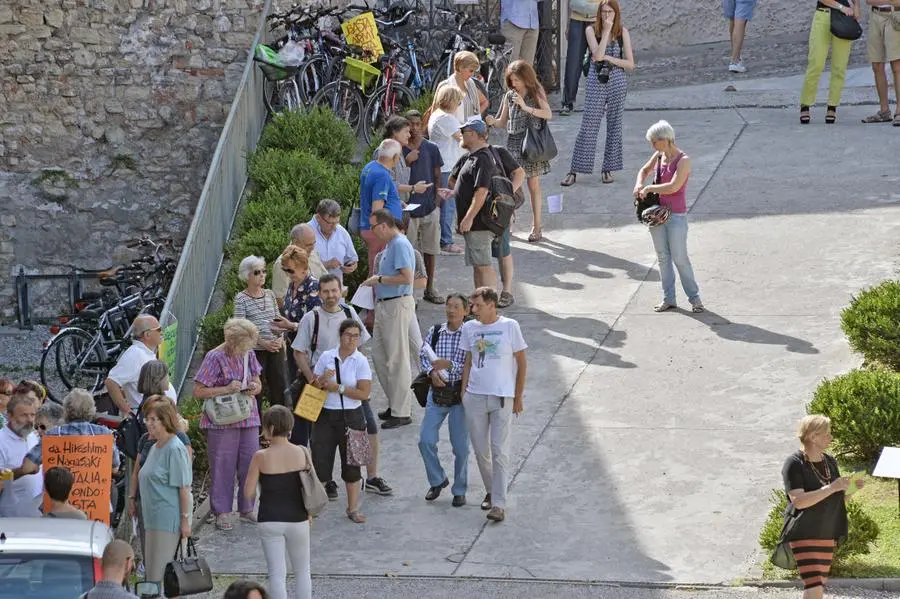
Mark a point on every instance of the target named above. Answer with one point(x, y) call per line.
point(258, 305)
point(230, 447)
point(49, 415)
point(671, 168)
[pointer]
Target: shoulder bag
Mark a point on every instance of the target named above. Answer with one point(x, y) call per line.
point(187, 573)
point(649, 210)
point(359, 452)
point(223, 410)
point(783, 556)
point(844, 27)
point(538, 145)
point(314, 496)
point(422, 383)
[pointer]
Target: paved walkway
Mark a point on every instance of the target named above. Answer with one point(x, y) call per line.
point(650, 442)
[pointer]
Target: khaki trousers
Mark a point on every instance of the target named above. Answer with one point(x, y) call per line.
point(390, 351)
point(523, 41)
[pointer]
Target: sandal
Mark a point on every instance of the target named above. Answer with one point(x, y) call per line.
point(506, 299)
point(210, 518)
point(896, 122)
point(535, 237)
point(248, 517)
point(882, 116)
point(222, 522)
point(663, 306)
point(831, 115)
point(606, 177)
point(356, 516)
point(433, 298)
point(698, 308)
point(804, 115)
point(569, 180)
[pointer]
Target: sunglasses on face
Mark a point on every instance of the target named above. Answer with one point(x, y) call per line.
point(256, 273)
point(289, 271)
point(41, 427)
point(150, 330)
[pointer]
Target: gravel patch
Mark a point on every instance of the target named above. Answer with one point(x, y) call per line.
point(20, 351)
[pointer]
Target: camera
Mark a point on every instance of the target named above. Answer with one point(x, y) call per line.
point(602, 68)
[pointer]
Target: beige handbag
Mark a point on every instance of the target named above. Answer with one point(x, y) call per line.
point(223, 410)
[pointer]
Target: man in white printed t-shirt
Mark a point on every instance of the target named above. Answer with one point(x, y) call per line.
point(122, 380)
point(494, 383)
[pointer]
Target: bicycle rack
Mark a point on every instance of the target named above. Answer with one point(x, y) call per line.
point(75, 289)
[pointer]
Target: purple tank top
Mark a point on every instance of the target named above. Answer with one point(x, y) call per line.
point(675, 201)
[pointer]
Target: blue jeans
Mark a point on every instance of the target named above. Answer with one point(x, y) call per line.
point(459, 440)
point(576, 46)
point(448, 215)
point(670, 243)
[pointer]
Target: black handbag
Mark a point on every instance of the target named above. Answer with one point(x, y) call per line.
point(447, 396)
point(422, 383)
point(783, 556)
point(538, 145)
point(651, 199)
point(187, 573)
point(844, 27)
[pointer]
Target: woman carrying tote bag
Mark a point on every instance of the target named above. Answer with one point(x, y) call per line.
point(525, 106)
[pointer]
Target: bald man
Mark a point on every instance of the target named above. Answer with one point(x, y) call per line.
point(117, 564)
point(304, 237)
point(122, 380)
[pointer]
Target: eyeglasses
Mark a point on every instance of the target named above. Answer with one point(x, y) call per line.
point(289, 271)
point(332, 221)
point(351, 335)
point(256, 273)
point(145, 331)
point(41, 427)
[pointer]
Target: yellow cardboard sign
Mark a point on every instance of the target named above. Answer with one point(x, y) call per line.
point(310, 403)
point(363, 32)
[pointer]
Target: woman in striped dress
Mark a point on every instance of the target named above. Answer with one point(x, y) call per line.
point(815, 487)
point(611, 56)
point(257, 304)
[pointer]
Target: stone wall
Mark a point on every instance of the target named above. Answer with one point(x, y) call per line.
point(109, 114)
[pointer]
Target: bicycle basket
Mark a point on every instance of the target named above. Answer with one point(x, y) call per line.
point(360, 72)
point(267, 60)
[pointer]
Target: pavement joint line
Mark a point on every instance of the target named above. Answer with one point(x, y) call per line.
point(721, 161)
point(763, 106)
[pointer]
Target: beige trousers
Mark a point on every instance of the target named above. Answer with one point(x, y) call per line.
point(523, 41)
point(390, 351)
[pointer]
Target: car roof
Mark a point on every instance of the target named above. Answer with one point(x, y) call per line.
point(60, 536)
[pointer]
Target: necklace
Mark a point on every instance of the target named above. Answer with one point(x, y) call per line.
point(824, 476)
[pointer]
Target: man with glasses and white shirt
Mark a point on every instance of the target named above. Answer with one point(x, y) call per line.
point(122, 380)
point(333, 243)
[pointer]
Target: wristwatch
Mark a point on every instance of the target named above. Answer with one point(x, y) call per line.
point(185, 515)
point(341, 389)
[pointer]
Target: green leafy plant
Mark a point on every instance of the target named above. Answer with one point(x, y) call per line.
point(267, 240)
point(872, 324)
point(269, 206)
point(318, 131)
point(192, 409)
point(864, 407)
point(423, 102)
point(211, 334)
point(296, 175)
point(862, 529)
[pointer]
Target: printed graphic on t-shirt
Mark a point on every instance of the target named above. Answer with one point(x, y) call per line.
point(486, 345)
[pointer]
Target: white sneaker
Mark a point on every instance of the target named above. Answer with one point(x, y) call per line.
point(737, 67)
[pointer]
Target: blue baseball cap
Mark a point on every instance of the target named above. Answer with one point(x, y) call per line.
point(476, 124)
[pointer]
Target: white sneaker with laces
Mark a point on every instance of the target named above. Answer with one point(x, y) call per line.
point(737, 67)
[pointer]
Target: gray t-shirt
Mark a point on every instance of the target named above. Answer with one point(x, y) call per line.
point(329, 331)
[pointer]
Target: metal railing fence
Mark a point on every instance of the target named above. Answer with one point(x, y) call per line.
point(201, 258)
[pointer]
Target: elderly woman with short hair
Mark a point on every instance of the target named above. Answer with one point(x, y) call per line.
point(153, 379)
point(669, 239)
point(258, 305)
point(815, 488)
point(49, 415)
point(230, 447)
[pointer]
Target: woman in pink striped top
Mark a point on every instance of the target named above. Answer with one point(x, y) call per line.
point(670, 239)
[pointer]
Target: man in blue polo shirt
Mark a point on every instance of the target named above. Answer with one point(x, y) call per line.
point(394, 310)
point(376, 191)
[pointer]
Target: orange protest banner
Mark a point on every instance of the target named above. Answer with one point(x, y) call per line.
point(90, 458)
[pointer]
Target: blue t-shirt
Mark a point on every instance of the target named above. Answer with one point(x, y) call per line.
point(397, 254)
point(375, 184)
point(166, 470)
point(423, 170)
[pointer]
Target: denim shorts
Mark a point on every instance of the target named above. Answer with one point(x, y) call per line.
point(738, 9)
point(371, 423)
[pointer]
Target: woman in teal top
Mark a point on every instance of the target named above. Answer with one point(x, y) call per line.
point(165, 482)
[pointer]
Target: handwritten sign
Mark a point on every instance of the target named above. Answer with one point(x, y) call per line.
point(90, 459)
point(363, 32)
point(167, 347)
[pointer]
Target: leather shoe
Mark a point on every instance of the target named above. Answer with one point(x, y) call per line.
point(458, 501)
point(435, 492)
point(385, 414)
point(486, 502)
point(394, 422)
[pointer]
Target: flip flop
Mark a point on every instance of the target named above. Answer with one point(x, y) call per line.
point(569, 180)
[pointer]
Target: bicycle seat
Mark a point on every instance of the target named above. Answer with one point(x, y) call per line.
point(108, 281)
point(89, 314)
point(496, 38)
point(89, 296)
point(109, 420)
point(108, 273)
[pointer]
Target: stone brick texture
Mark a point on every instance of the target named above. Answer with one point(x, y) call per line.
point(110, 111)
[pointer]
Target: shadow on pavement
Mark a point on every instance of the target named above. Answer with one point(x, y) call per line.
point(748, 333)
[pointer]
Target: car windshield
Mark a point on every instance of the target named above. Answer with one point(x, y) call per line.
point(38, 576)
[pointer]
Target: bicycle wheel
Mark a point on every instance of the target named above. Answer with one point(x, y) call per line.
point(385, 102)
point(443, 71)
point(80, 359)
point(291, 99)
point(344, 99)
point(312, 77)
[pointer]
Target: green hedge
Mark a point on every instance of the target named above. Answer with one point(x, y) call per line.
point(863, 530)
point(872, 324)
point(301, 159)
point(864, 407)
point(192, 409)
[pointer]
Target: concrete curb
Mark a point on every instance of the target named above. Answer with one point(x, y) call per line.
point(875, 584)
point(199, 516)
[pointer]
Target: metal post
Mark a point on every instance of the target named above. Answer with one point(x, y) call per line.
point(73, 291)
point(22, 299)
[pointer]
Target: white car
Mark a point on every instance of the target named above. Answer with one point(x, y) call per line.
point(50, 558)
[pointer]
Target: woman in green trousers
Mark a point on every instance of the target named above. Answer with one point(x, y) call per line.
point(820, 39)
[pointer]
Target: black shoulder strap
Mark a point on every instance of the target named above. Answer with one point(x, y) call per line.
point(435, 334)
point(315, 338)
point(659, 168)
point(498, 162)
point(347, 312)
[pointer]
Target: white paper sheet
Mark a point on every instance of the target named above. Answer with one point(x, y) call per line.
point(431, 358)
point(410, 207)
point(888, 465)
point(364, 297)
point(555, 204)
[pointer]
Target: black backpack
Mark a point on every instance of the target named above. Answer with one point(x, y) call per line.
point(501, 202)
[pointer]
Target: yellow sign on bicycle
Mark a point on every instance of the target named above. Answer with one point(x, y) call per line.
point(363, 32)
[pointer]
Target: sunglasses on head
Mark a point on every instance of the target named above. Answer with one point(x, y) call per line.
point(289, 271)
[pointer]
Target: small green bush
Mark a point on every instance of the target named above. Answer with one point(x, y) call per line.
point(318, 131)
point(211, 334)
point(864, 407)
point(296, 175)
point(192, 409)
point(269, 206)
point(872, 324)
point(423, 102)
point(862, 529)
point(268, 241)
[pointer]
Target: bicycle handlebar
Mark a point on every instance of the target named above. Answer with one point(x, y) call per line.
point(397, 22)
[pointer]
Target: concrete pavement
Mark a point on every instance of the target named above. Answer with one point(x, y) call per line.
point(650, 442)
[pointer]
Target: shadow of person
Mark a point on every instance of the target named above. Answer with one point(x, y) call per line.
point(576, 337)
point(590, 263)
point(748, 333)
